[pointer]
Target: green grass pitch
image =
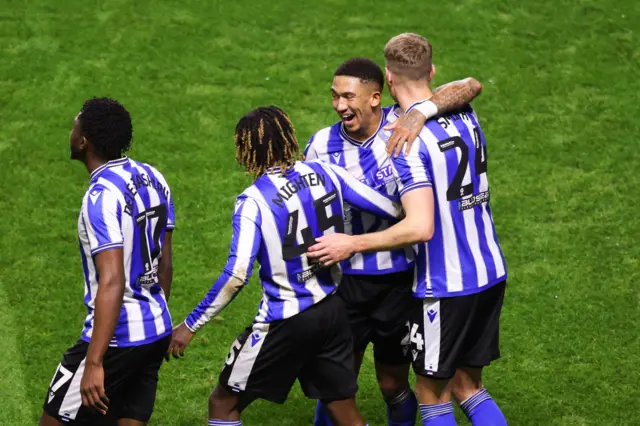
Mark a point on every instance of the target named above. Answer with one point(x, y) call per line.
point(559, 109)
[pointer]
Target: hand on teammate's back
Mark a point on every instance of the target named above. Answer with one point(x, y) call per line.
point(180, 338)
point(405, 130)
point(330, 249)
point(92, 388)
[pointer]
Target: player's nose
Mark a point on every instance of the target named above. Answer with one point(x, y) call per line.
point(341, 106)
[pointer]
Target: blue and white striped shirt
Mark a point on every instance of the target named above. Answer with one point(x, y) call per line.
point(275, 221)
point(368, 162)
point(464, 256)
point(128, 205)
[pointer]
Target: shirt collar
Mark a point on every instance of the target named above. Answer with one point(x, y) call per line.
point(113, 163)
point(369, 141)
point(279, 170)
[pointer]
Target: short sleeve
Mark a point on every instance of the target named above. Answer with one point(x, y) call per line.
point(309, 152)
point(246, 239)
point(410, 170)
point(171, 216)
point(102, 214)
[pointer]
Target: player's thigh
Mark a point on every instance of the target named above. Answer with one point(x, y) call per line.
point(482, 342)
point(358, 297)
point(264, 361)
point(436, 335)
point(64, 401)
point(138, 398)
point(328, 373)
point(389, 319)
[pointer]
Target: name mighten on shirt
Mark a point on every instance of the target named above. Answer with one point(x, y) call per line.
point(296, 184)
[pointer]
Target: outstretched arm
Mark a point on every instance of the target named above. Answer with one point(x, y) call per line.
point(446, 98)
point(414, 185)
point(244, 249)
point(416, 227)
point(363, 197)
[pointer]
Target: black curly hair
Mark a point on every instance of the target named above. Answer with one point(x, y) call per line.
point(364, 69)
point(107, 126)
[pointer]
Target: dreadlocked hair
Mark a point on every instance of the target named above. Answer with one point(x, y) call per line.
point(107, 126)
point(265, 138)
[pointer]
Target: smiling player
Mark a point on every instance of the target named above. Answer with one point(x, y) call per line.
point(376, 287)
point(460, 269)
point(301, 330)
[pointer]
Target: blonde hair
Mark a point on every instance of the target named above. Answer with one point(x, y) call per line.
point(409, 55)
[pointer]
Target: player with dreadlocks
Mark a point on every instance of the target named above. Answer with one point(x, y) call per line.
point(124, 229)
point(254, 135)
point(301, 330)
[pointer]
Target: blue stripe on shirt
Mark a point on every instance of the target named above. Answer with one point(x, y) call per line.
point(492, 273)
point(96, 218)
point(467, 263)
point(269, 191)
point(435, 247)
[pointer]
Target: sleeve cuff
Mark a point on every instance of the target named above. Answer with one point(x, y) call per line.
point(105, 247)
point(191, 329)
point(414, 186)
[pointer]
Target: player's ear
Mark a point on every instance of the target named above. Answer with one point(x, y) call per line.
point(388, 75)
point(433, 72)
point(375, 99)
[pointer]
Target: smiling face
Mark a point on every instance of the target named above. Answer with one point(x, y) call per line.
point(358, 105)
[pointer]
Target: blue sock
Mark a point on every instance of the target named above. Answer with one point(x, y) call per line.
point(402, 410)
point(482, 410)
point(214, 422)
point(322, 417)
point(438, 414)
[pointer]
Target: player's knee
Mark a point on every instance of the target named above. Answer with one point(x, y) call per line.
point(391, 386)
point(221, 403)
point(392, 380)
point(466, 383)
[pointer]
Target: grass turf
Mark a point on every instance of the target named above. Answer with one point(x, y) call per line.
point(558, 108)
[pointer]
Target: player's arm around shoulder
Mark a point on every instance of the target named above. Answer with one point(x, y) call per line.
point(446, 98)
point(416, 226)
point(362, 196)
